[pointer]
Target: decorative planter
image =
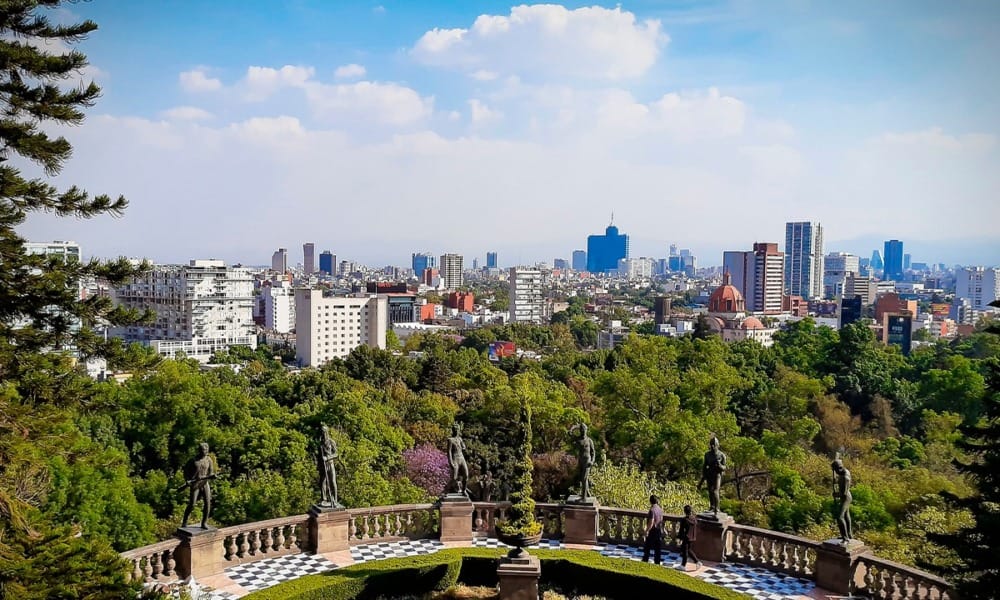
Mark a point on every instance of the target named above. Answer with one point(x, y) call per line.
point(519, 543)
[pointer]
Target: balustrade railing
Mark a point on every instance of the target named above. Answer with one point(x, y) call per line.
point(882, 579)
point(486, 515)
point(551, 517)
point(391, 523)
point(772, 550)
point(153, 563)
point(265, 539)
point(626, 526)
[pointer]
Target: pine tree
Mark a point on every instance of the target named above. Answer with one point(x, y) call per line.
point(977, 576)
point(41, 313)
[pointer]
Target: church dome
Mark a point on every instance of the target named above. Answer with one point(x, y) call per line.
point(726, 298)
point(752, 323)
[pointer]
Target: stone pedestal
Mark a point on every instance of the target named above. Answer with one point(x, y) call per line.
point(710, 543)
point(580, 524)
point(835, 564)
point(328, 529)
point(201, 552)
point(456, 519)
point(519, 577)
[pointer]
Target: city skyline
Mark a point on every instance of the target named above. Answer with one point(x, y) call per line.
point(853, 115)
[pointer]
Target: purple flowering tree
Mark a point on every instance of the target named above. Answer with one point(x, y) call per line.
point(427, 467)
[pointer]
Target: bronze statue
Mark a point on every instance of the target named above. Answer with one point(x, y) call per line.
point(842, 494)
point(711, 474)
point(198, 473)
point(325, 458)
point(456, 460)
point(588, 454)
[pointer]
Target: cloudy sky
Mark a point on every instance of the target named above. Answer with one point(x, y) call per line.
point(379, 129)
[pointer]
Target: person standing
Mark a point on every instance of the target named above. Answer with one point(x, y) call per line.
point(654, 531)
point(688, 533)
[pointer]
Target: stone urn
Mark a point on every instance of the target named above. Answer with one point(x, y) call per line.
point(519, 543)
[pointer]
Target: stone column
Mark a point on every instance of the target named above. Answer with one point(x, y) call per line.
point(328, 529)
point(456, 519)
point(519, 577)
point(580, 524)
point(835, 564)
point(201, 552)
point(710, 543)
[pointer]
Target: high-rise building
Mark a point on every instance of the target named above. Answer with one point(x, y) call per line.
point(422, 261)
point(876, 263)
point(308, 258)
point(635, 268)
point(491, 260)
point(739, 265)
point(863, 287)
point(475, 264)
point(893, 260)
point(451, 271)
point(978, 285)
point(68, 251)
point(279, 306)
point(328, 327)
point(836, 267)
point(279, 260)
point(804, 259)
point(604, 251)
point(907, 261)
point(328, 263)
point(201, 308)
point(758, 275)
point(579, 260)
point(560, 263)
point(527, 295)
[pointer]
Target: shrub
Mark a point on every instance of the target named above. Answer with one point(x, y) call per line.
point(427, 468)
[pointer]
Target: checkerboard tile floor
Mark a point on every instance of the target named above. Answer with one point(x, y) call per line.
point(759, 583)
point(394, 549)
point(272, 571)
point(635, 553)
point(488, 542)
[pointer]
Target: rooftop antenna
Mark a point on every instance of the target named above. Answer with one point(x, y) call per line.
point(612, 217)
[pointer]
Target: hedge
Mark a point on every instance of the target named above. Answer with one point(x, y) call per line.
point(581, 571)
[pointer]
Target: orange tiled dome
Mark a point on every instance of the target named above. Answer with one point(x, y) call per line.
point(726, 298)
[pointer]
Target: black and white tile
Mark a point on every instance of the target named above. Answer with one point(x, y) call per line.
point(395, 550)
point(488, 542)
point(667, 557)
point(272, 571)
point(759, 583)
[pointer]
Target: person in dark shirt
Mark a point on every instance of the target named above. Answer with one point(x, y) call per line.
point(654, 531)
point(687, 533)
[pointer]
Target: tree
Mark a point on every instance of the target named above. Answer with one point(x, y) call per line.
point(41, 314)
point(977, 574)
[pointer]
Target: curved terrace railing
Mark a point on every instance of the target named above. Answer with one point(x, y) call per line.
point(840, 570)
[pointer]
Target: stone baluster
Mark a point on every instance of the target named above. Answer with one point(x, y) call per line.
point(170, 563)
point(280, 537)
point(364, 527)
point(136, 569)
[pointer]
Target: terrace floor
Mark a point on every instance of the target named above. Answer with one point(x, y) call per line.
point(237, 581)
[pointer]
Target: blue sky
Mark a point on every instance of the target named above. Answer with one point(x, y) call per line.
point(467, 127)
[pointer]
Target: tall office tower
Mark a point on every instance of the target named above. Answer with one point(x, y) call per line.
point(740, 267)
point(604, 251)
point(330, 327)
point(804, 259)
point(836, 267)
point(491, 260)
point(421, 261)
point(308, 258)
point(279, 306)
point(451, 271)
point(201, 308)
point(893, 260)
point(475, 264)
point(768, 278)
point(279, 260)
point(907, 262)
point(865, 288)
point(661, 310)
point(978, 285)
point(527, 296)
point(579, 260)
point(673, 250)
point(328, 263)
point(560, 263)
point(876, 263)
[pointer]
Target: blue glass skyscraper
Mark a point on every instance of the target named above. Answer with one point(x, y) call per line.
point(604, 251)
point(579, 260)
point(327, 260)
point(893, 260)
point(491, 260)
point(422, 262)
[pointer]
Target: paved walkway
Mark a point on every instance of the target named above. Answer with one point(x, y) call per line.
point(240, 580)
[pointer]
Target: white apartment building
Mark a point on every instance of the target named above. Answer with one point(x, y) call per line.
point(527, 295)
point(804, 259)
point(201, 308)
point(279, 306)
point(978, 285)
point(68, 251)
point(451, 271)
point(328, 327)
point(836, 267)
point(635, 268)
point(758, 275)
point(279, 260)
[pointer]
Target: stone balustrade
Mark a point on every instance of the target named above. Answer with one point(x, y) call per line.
point(771, 550)
point(837, 568)
point(391, 523)
point(882, 579)
point(154, 563)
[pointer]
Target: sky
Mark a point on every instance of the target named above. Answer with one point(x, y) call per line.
point(377, 129)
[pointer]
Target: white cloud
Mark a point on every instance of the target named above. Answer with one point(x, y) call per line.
point(388, 103)
point(935, 139)
point(483, 75)
point(186, 113)
point(196, 80)
point(261, 82)
point(481, 113)
point(350, 71)
point(549, 40)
